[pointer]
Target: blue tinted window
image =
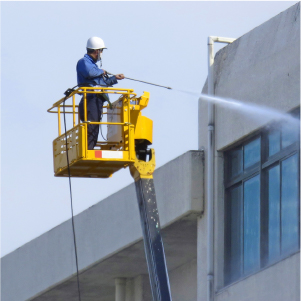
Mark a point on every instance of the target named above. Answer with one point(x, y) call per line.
point(274, 212)
point(252, 153)
point(274, 142)
point(290, 133)
point(236, 232)
point(235, 162)
point(262, 182)
point(252, 224)
point(290, 204)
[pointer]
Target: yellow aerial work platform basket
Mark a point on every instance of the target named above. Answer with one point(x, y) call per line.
point(126, 129)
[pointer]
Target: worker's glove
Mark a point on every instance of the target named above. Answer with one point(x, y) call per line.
point(119, 76)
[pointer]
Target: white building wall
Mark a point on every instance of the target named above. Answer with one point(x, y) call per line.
point(110, 245)
point(201, 259)
point(183, 282)
point(262, 67)
point(280, 282)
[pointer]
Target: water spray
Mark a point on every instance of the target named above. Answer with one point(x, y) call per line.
point(255, 110)
point(251, 109)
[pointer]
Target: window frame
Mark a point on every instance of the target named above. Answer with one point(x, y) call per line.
point(261, 168)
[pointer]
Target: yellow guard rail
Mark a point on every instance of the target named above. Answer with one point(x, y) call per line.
point(126, 128)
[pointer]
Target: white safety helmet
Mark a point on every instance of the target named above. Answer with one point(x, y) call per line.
point(96, 43)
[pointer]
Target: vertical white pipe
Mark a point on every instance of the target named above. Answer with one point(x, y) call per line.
point(210, 168)
point(120, 289)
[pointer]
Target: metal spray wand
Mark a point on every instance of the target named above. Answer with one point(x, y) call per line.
point(143, 81)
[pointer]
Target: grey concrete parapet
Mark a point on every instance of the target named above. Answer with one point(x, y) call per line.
point(102, 230)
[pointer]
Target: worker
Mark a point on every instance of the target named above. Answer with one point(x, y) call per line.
point(89, 74)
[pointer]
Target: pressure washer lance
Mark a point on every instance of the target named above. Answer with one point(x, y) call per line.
point(142, 81)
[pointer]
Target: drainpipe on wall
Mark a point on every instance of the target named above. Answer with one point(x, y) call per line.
point(210, 164)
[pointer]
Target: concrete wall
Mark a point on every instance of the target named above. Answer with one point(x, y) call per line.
point(102, 231)
point(183, 282)
point(278, 283)
point(262, 67)
point(138, 289)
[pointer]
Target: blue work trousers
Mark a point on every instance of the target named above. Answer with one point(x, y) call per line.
point(94, 113)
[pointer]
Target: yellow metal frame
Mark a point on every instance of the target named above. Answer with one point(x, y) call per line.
point(111, 155)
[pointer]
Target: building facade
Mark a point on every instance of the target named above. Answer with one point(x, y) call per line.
point(256, 241)
point(256, 165)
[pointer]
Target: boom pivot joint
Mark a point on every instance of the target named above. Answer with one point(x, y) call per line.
point(142, 169)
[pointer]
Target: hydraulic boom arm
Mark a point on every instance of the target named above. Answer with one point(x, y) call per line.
point(142, 172)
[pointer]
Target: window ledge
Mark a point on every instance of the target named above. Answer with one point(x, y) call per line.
point(219, 291)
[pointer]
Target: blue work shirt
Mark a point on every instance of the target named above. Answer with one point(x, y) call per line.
point(88, 73)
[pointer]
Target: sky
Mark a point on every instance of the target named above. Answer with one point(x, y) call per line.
point(163, 42)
